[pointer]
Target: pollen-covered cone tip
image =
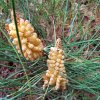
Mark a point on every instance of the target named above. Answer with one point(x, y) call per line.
point(31, 44)
point(56, 75)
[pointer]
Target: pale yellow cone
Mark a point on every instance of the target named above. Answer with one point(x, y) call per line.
point(31, 45)
point(56, 74)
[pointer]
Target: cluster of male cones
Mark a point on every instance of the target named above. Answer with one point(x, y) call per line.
point(32, 49)
point(31, 45)
point(56, 74)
